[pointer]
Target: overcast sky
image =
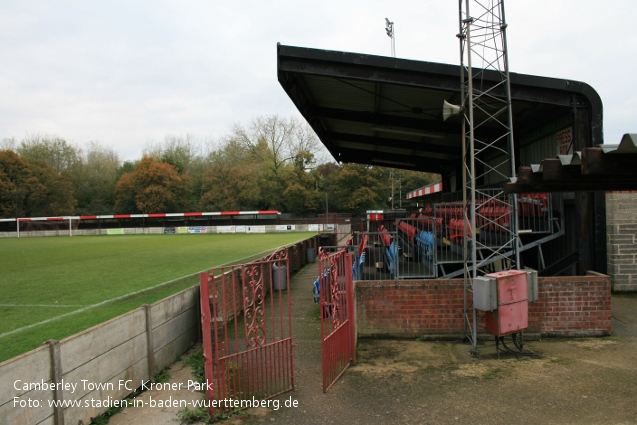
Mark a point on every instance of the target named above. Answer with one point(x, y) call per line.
point(126, 73)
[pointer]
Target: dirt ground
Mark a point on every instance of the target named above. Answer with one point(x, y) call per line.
point(573, 381)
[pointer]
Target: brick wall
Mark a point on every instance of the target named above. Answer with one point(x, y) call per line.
point(621, 228)
point(567, 306)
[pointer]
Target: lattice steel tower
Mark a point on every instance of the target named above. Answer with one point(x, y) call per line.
point(491, 241)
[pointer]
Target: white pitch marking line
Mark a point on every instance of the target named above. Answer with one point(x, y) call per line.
point(88, 307)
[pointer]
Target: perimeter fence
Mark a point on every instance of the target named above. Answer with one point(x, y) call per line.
point(139, 224)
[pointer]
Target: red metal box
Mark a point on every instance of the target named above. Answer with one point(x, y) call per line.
point(512, 314)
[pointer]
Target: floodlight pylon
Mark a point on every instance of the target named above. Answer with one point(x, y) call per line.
point(488, 156)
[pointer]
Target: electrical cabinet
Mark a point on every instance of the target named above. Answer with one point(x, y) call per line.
point(512, 312)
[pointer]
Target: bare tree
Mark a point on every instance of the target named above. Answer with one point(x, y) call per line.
point(8, 144)
point(280, 140)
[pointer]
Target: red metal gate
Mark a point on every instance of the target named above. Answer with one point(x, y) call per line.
point(247, 332)
point(337, 315)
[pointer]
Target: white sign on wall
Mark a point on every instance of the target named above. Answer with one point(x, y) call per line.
point(320, 227)
point(225, 229)
point(255, 229)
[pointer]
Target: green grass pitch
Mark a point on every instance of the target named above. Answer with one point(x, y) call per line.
point(43, 278)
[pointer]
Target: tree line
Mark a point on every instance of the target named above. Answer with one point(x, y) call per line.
point(270, 163)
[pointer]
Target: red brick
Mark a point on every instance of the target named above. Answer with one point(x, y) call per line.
point(566, 305)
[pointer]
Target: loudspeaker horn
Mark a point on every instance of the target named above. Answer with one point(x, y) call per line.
point(449, 110)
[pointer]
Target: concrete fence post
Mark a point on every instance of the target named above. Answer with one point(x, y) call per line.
point(198, 308)
point(56, 377)
point(149, 341)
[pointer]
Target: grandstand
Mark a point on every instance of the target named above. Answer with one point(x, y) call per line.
point(351, 101)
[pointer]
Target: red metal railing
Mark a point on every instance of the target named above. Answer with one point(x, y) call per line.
point(337, 315)
point(247, 332)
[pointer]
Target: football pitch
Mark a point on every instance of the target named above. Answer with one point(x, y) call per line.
point(54, 287)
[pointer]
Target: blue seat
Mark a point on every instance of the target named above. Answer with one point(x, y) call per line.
point(391, 255)
point(425, 242)
point(316, 288)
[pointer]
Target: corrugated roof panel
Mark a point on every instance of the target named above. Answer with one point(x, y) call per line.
point(628, 144)
point(602, 168)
